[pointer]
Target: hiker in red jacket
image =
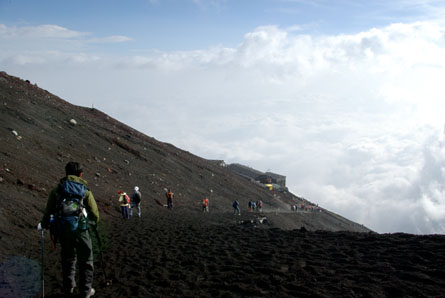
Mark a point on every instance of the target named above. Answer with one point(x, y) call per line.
point(170, 197)
point(205, 205)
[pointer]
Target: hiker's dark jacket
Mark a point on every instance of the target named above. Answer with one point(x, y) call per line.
point(88, 202)
point(136, 197)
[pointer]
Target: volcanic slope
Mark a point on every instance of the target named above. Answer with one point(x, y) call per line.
point(183, 252)
point(38, 139)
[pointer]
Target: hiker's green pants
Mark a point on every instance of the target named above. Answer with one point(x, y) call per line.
point(77, 248)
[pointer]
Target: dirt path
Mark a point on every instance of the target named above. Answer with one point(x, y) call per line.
point(176, 256)
point(173, 254)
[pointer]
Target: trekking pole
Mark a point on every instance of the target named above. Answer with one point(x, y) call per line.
point(99, 241)
point(43, 263)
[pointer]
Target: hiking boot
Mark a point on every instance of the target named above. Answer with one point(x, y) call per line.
point(90, 293)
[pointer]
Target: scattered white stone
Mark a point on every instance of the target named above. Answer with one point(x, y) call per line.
point(127, 162)
point(73, 122)
point(15, 133)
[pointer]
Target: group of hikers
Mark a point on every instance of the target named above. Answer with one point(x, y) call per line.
point(71, 214)
point(170, 195)
point(252, 206)
point(128, 204)
point(255, 206)
point(306, 207)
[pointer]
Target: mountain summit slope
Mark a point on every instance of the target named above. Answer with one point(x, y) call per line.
point(182, 252)
point(41, 132)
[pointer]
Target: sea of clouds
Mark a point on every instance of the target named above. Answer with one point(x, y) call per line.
point(355, 121)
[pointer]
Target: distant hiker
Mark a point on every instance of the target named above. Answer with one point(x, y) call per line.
point(249, 205)
point(124, 200)
point(235, 206)
point(170, 197)
point(260, 205)
point(253, 206)
point(205, 205)
point(70, 208)
point(136, 201)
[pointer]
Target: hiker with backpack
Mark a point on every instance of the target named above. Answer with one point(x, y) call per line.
point(124, 200)
point(235, 206)
point(170, 197)
point(136, 201)
point(69, 210)
point(205, 205)
point(260, 205)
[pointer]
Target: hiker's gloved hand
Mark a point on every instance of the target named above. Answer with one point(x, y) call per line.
point(39, 227)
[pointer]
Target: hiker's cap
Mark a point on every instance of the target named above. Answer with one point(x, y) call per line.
point(136, 188)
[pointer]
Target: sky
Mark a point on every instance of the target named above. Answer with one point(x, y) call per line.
point(345, 98)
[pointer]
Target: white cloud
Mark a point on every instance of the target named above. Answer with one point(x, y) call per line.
point(42, 31)
point(110, 39)
point(23, 59)
point(48, 43)
point(351, 120)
